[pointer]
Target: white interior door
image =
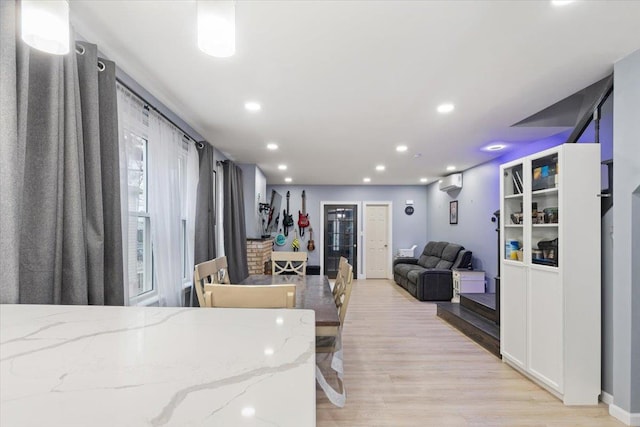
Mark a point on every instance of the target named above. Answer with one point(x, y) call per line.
point(377, 241)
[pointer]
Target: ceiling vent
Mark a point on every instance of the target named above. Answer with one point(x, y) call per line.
point(451, 182)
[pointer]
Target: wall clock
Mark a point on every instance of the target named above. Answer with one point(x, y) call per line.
point(408, 210)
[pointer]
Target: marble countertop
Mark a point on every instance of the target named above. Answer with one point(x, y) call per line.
point(136, 366)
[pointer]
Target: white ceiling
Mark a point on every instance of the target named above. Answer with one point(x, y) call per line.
point(342, 83)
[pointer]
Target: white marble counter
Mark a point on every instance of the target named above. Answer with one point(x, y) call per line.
point(136, 366)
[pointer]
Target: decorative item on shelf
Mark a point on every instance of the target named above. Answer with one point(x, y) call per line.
point(549, 250)
point(550, 215)
point(516, 218)
point(511, 249)
point(544, 175)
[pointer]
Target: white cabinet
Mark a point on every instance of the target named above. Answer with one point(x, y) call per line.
point(467, 281)
point(550, 270)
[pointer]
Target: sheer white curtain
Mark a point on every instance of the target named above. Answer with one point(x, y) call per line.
point(159, 172)
point(165, 208)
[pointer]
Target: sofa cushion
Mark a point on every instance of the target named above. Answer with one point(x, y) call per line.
point(404, 269)
point(444, 264)
point(450, 252)
point(430, 249)
point(438, 248)
point(428, 261)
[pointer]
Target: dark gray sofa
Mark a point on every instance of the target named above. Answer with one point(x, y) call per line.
point(428, 278)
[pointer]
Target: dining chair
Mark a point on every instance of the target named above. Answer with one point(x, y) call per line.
point(288, 263)
point(204, 273)
point(253, 296)
point(332, 344)
point(223, 270)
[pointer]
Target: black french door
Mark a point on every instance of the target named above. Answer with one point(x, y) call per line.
point(340, 237)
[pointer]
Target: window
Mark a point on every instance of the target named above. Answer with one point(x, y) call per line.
point(159, 176)
point(140, 258)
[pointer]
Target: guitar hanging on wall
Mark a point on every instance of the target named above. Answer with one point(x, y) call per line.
point(311, 246)
point(303, 217)
point(288, 219)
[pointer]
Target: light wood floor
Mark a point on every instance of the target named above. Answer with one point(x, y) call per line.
point(406, 367)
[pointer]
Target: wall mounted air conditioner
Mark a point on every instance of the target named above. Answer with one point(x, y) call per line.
point(451, 182)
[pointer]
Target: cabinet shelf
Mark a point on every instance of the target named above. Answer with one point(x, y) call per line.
point(554, 225)
point(514, 196)
point(545, 191)
point(513, 225)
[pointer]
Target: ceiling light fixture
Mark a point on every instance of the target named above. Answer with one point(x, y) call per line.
point(451, 168)
point(445, 108)
point(366, 179)
point(401, 148)
point(423, 179)
point(288, 179)
point(561, 2)
point(282, 167)
point(45, 25)
point(248, 411)
point(272, 146)
point(252, 106)
point(494, 147)
point(217, 27)
point(380, 168)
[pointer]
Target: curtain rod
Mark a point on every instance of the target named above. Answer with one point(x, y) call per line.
point(199, 144)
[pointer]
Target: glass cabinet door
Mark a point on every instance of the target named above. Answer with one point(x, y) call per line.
point(544, 210)
point(513, 192)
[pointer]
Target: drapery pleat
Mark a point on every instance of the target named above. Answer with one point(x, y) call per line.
point(11, 158)
point(54, 222)
point(205, 238)
point(235, 241)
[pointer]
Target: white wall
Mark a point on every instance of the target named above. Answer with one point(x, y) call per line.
point(626, 253)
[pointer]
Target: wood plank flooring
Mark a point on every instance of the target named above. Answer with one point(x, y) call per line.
point(406, 367)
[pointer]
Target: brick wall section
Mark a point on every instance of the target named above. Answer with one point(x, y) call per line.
point(258, 252)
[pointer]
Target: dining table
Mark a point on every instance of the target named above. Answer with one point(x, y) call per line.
point(313, 292)
point(156, 366)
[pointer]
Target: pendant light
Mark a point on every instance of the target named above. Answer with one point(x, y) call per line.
point(45, 25)
point(217, 27)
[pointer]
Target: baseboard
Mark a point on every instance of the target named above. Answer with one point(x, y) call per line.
point(630, 419)
point(606, 398)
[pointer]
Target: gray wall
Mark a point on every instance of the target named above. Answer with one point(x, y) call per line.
point(626, 253)
point(407, 230)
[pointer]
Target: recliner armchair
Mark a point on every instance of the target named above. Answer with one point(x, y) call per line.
point(429, 278)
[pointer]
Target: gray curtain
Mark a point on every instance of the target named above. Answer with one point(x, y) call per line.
point(205, 248)
point(235, 234)
point(61, 232)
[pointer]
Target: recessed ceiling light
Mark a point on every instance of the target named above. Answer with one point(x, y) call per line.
point(272, 146)
point(282, 167)
point(445, 108)
point(494, 147)
point(288, 179)
point(423, 179)
point(451, 168)
point(561, 2)
point(268, 351)
point(252, 106)
point(401, 148)
point(380, 168)
point(366, 179)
